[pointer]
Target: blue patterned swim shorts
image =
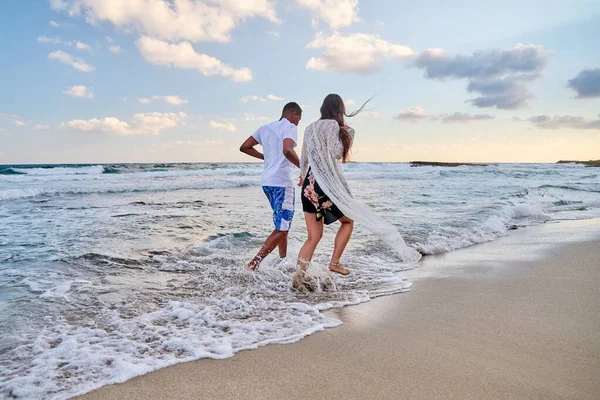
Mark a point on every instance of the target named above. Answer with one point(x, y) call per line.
point(282, 203)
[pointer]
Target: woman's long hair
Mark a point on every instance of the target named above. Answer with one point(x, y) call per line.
point(333, 108)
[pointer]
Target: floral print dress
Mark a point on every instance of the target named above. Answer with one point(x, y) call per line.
point(314, 201)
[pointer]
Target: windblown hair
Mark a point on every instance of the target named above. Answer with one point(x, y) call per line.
point(333, 108)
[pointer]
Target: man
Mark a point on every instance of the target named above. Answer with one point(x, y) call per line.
point(278, 140)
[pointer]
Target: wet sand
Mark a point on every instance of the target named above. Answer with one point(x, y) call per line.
point(523, 328)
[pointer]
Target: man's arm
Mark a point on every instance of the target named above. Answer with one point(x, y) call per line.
point(289, 152)
point(248, 148)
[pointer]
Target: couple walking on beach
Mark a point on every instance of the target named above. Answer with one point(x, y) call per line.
point(326, 197)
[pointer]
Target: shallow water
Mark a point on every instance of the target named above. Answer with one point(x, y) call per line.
point(108, 272)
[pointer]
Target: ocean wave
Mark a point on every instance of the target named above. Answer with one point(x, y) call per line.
point(9, 171)
point(14, 194)
point(121, 173)
point(446, 238)
point(60, 170)
point(568, 187)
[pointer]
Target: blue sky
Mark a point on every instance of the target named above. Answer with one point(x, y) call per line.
point(93, 81)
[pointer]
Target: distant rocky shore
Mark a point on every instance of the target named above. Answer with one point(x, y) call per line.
point(590, 163)
point(443, 164)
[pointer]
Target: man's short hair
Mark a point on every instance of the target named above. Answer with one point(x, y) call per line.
point(292, 107)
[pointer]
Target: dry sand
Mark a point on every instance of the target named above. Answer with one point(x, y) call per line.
point(528, 330)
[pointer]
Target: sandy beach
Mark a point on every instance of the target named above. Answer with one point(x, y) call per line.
point(497, 326)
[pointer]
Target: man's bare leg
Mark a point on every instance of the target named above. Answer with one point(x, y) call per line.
point(283, 244)
point(272, 241)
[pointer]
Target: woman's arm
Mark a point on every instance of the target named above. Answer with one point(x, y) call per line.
point(304, 156)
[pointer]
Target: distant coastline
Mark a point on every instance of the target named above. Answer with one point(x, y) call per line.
point(589, 163)
point(443, 164)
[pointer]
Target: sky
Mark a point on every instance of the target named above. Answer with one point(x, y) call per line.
point(109, 81)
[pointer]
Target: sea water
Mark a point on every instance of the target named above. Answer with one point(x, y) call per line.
point(111, 271)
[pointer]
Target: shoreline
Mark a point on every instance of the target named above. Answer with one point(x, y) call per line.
point(491, 325)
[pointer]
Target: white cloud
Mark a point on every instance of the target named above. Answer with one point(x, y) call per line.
point(141, 124)
point(273, 33)
point(56, 40)
point(83, 46)
point(41, 127)
point(66, 58)
point(54, 24)
point(108, 39)
point(44, 39)
point(412, 114)
point(13, 118)
point(563, 121)
point(175, 100)
point(415, 114)
point(172, 99)
point(246, 99)
point(226, 127)
point(253, 97)
point(80, 91)
point(374, 115)
point(252, 117)
point(349, 102)
point(186, 144)
point(155, 122)
point(200, 20)
point(463, 118)
point(183, 55)
point(114, 49)
point(336, 13)
point(358, 52)
point(2, 130)
point(275, 98)
point(107, 124)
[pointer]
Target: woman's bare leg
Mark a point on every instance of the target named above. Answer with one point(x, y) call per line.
point(341, 240)
point(315, 233)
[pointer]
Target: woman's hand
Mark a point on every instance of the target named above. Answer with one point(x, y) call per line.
point(300, 181)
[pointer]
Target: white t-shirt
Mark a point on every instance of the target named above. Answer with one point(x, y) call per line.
point(276, 171)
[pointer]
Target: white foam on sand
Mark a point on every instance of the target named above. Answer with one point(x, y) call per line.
point(221, 309)
point(71, 359)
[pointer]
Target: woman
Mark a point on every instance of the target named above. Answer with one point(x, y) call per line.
point(325, 194)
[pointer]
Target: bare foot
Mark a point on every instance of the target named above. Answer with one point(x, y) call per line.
point(337, 268)
point(302, 282)
point(251, 266)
